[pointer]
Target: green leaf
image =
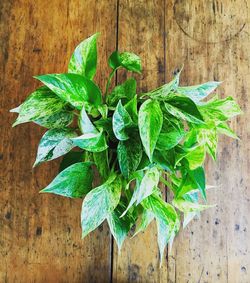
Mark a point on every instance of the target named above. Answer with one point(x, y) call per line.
point(119, 227)
point(101, 162)
point(91, 142)
point(41, 106)
point(103, 109)
point(208, 136)
point(164, 90)
point(74, 182)
point(167, 220)
point(184, 185)
point(183, 108)
point(126, 91)
point(84, 58)
point(99, 203)
point(198, 176)
point(163, 236)
point(188, 206)
point(146, 187)
point(198, 92)
point(150, 124)
point(106, 125)
point(129, 155)
point(146, 218)
point(121, 122)
point(73, 88)
point(127, 60)
point(195, 156)
point(223, 128)
point(131, 108)
point(54, 143)
point(85, 124)
point(163, 159)
point(171, 134)
point(59, 120)
point(148, 183)
point(220, 109)
point(144, 164)
point(161, 210)
point(71, 158)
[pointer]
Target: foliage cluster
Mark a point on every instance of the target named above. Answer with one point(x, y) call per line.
point(135, 141)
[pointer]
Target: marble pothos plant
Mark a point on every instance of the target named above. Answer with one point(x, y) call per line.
point(134, 140)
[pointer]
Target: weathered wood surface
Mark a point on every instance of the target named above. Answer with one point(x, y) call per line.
point(211, 38)
point(40, 239)
point(40, 235)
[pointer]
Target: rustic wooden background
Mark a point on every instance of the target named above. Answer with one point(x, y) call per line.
point(40, 235)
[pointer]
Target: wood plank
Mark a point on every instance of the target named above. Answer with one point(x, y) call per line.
point(40, 234)
point(211, 38)
point(141, 30)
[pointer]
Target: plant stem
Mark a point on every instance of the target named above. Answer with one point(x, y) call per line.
point(108, 82)
point(166, 183)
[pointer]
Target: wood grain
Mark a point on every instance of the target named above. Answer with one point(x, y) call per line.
point(141, 30)
point(40, 234)
point(211, 38)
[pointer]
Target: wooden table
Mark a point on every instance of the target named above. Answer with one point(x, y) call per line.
point(40, 235)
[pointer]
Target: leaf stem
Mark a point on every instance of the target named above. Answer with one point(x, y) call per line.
point(108, 82)
point(166, 183)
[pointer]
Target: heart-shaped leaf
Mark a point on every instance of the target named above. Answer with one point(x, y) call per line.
point(84, 58)
point(91, 142)
point(129, 155)
point(73, 88)
point(54, 143)
point(45, 108)
point(121, 122)
point(150, 124)
point(74, 182)
point(127, 60)
point(99, 203)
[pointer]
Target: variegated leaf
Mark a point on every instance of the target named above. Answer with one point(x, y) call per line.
point(84, 58)
point(74, 181)
point(54, 143)
point(99, 203)
point(79, 91)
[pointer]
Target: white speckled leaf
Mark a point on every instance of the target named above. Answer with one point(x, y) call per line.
point(198, 92)
point(150, 124)
point(171, 134)
point(94, 142)
point(129, 155)
point(167, 220)
point(59, 120)
point(183, 108)
point(121, 122)
point(146, 187)
point(54, 143)
point(195, 156)
point(188, 206)
point(85, 124)
point(220, 109)
point(74, 181)
point(148, 183)
point(127, 90)
point(99, 203)
point(163, 91)
point(73, 88)
point(40, 107)
point(119, 227)
point(146, 218)
point(84, 58)
point(127, 60)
